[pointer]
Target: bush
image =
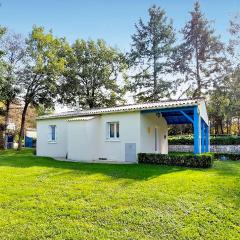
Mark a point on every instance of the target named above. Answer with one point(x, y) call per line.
point(225, 140)
point(180, 140)
point(227, 156)
point(214, 140)
point(185, 160)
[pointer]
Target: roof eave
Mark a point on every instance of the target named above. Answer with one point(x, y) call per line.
point(47, 117)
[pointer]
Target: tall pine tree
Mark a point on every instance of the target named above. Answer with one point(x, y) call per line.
point(199, 57)
point(152, 45)
point(234, 42)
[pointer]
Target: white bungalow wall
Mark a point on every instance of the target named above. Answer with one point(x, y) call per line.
point(129, 125)
point(149, 122)
point(82, 142)
point(46, 148)
point(203, 111)
point(87, 140)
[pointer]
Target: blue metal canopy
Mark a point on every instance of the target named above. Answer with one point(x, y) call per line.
point(175, 115)
point(187, 115)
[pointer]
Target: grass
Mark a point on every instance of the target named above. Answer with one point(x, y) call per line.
point(41, 198)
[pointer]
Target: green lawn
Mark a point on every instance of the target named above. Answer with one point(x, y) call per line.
point(41, 198)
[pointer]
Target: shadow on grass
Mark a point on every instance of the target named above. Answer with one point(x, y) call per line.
point(26, 159)
point(228, 168)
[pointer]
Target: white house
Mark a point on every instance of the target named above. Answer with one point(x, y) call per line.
point(119, 133)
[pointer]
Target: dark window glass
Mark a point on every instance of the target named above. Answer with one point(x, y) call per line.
point(53, 128)
point(111, 130)
point(117, 129)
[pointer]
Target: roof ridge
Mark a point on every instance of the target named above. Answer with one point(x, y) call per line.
point(145, 103)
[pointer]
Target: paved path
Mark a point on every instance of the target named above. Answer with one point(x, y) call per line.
point(94, 161)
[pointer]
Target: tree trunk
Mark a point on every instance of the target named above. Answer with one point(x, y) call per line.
point(197, 92)
point(21, 133)
point(227, 125)
point(155, 78)
point(230, 127)
point(6, 122)
point(216, 127)
point(221, 125)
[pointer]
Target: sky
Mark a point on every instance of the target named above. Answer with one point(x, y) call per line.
point(110, 20)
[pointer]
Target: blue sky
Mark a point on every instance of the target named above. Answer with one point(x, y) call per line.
point(111, 20)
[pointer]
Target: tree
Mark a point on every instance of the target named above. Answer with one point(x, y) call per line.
point(14, 52)
point(2, 32)
point(38, 79)
point(217, 105)
point(234, 50)
point(152, 46)
point(2, 64)
point(234, 42)
point(224, 104)
point(2, 77)
point(232, 87)
point(230, 84)
point(90, 79)
point(200, 57)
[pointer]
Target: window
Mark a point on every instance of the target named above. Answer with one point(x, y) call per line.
point(52, 133)
point(113, 130)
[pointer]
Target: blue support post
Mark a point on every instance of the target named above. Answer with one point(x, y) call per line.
point(207, 138)
point(196, 130)
point(202, 136)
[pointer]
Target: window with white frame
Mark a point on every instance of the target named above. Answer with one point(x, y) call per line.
point(52, 134)
point(113, 130)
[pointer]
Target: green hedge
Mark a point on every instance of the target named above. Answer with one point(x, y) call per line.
point(227, 156)
point(180, 140)
point(185, 160)
point(225, 140)
point(214, 140)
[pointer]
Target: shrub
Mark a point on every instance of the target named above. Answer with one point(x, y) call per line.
point(214, 140)
point(185, 160)
point(225, 140)
point(227, 156)
point(180, 140)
